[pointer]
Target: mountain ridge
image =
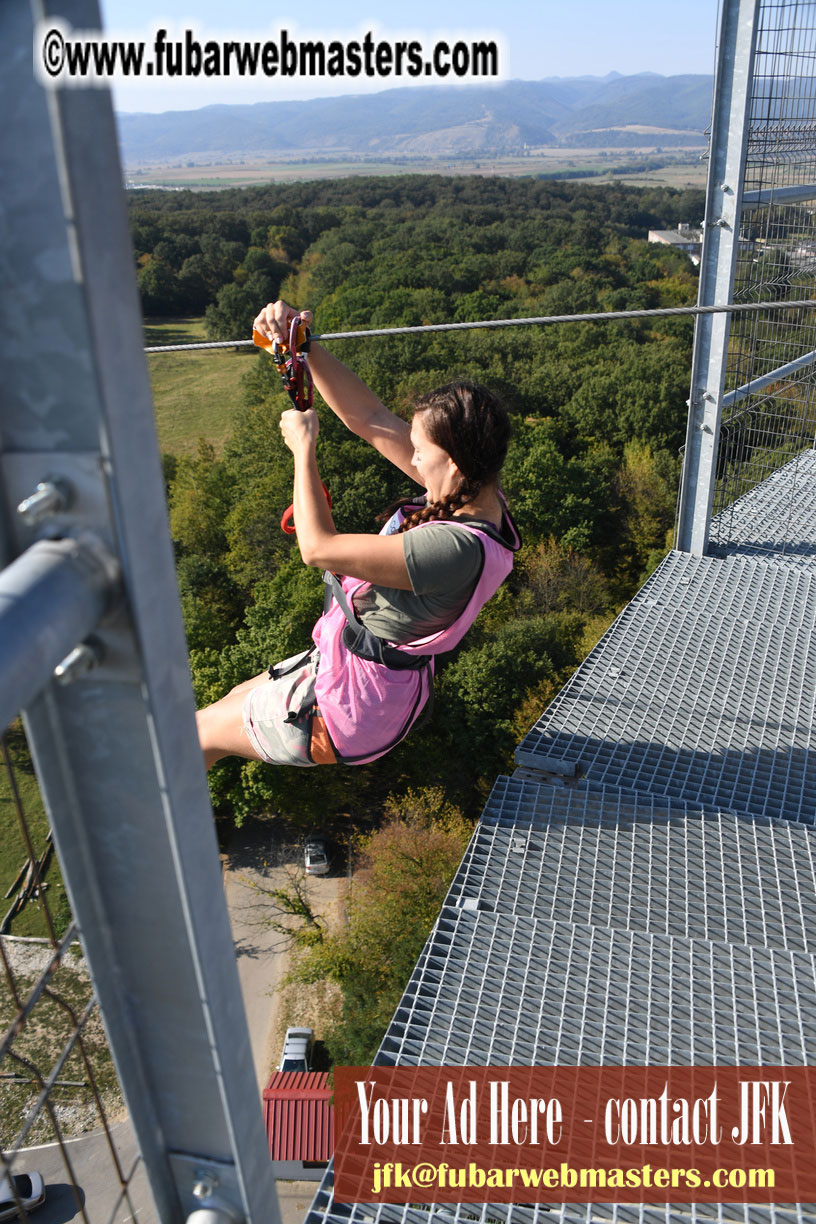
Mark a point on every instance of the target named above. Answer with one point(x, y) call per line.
point(439, 120)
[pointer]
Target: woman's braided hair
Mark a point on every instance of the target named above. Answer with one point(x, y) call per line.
point(470, 423)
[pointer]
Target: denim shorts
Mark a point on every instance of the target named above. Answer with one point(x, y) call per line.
point(279, 713)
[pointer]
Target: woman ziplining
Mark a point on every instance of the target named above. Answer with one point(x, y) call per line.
point(405, 595)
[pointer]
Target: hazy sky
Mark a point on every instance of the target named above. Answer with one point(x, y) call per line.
point(541, 38)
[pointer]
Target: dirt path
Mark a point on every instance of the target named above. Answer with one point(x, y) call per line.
point(263, 958)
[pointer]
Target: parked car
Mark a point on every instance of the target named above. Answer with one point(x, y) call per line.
point(316, 853)
point(297, 1050)
point(30, 1189)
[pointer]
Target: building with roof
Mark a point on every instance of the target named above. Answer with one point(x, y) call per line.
point(299, 1121)
point(684, 238)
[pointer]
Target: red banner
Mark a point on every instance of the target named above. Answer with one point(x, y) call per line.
point(575, 1134)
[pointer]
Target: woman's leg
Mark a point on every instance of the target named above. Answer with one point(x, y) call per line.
point(221, 725)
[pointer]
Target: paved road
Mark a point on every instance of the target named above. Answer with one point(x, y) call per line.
point(95, 1173)
point(262, 953)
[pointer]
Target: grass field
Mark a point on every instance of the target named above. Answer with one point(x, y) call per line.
point(682, 168)
point(13, 851)
point(195, 394)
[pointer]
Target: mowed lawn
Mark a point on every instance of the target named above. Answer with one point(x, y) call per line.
point(195, 393)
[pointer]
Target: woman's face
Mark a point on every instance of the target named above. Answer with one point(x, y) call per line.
point(436, 469)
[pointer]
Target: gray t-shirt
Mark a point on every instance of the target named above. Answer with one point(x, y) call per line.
point(444, 563)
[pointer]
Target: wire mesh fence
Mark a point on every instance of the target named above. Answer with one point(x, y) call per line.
point(57, 1080)
point(765, 428)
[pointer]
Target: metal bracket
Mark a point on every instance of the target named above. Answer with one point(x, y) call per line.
point(566, 770)
point(81, 508)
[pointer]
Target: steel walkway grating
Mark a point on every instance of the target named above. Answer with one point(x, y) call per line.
point(703, 689)
point(506, 989)
point(325, 1209)
point(613, 861)
point(777, 519)
point(500, 990)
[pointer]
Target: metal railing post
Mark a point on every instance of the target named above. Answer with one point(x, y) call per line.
point(729, 134)
point(115, 749)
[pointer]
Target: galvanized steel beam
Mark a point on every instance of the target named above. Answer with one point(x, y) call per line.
point(116, 751)
point(729, 130)
point(799, 193)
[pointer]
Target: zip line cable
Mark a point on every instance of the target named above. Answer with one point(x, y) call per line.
point(603, 316)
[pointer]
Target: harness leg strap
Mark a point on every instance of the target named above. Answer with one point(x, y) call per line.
point(276, 670)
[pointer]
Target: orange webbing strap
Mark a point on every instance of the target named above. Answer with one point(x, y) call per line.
point(320, 747)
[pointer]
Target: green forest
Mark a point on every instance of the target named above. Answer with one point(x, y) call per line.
point(599, 413)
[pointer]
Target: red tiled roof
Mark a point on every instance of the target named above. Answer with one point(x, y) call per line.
point(299, 1116)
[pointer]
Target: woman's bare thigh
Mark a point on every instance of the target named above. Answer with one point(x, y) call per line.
point(221, 725)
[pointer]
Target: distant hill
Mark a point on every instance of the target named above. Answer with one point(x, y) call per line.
point(436, 121)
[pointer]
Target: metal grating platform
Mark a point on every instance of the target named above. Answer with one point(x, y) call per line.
point(501, 990)
point(325, 1209)
point(776, 519)
point(610, 860)
point(673, 1211)
point(703, 689)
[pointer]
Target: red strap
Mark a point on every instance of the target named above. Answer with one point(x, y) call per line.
point(288, 520)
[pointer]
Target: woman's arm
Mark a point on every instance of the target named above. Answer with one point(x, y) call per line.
point(347, 395)
point(377, 559)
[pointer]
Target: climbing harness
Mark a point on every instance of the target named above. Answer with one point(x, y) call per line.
point(361, 641)
point(293, 367)
point(371, 693)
